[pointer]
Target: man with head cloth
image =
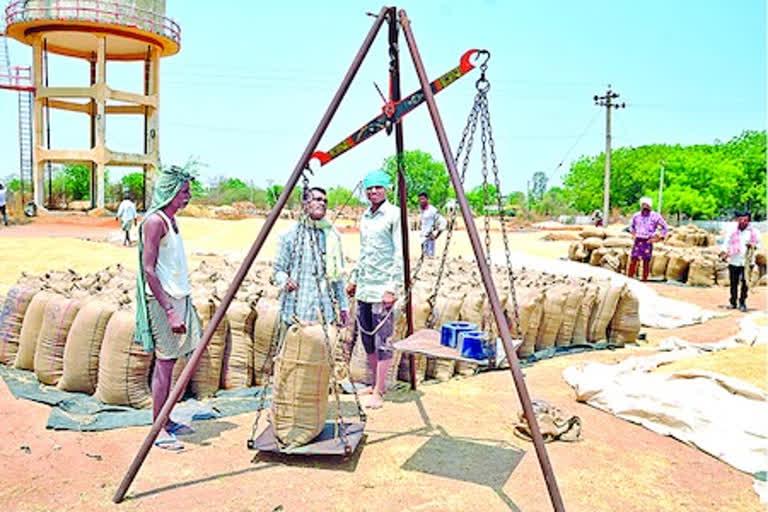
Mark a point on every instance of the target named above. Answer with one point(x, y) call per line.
point(738, 248)
point(377, 279)
point(644, 227)
point(166, 320)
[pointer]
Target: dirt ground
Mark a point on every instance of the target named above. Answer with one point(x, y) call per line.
point(446, 447)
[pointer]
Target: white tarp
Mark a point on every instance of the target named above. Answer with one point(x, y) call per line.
point(655, 310)
point(723, 416)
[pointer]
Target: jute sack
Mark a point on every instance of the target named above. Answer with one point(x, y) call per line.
point(206, 379)
point(447, 309)
point(701, 272)
point(553, 316)
point(465, 368)
point(625, 324)
point(363, 373)
point(58, 317)
point(473, 308)
point(605, 307)
point(300, 396)
point(581, 253)
point(659, 262)
point(571, 309)
point(597, 256)
point(722, 276)
point(123, 365)
point(611, 261)
point(531, 309)
point(581, 325)
point(30, 329)
point(616, 241)
point(677, 268)
point(265, 329)
point(11, 319)
point(404, 369)
point(572, 251)
point(237, 359)
point(592, 243)
point(592, 232)
point(440, 369)
point(81, 353)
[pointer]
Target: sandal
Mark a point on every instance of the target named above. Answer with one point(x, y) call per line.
point(169, 443)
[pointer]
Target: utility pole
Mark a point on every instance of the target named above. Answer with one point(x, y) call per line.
point(528, 194)
point(661, 184)
point(607, 102)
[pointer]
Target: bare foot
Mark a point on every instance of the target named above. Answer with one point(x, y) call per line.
point(375, 401)
point(366, 390)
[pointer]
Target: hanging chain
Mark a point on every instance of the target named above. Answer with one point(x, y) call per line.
point(484, 158)
point(486, 128)
point(467, 138)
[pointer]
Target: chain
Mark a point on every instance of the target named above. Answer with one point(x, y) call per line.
point(467, 138)
point(486, 127)
point(484, 158)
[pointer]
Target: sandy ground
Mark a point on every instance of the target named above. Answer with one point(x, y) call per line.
point(447, 447)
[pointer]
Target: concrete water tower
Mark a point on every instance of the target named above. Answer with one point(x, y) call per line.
point(96, 31)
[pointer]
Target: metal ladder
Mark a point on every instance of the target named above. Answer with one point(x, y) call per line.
point(25, 141)
point(5, 59)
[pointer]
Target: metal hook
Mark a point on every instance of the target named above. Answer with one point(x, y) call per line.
point(483, 53)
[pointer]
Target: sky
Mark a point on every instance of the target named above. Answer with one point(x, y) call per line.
point(253, 79)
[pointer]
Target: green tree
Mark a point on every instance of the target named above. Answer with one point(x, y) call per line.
point(77, 182)
point(553, 202)
point(479, 198)
point(517, 200)
point(273, 193)
point(133, 184)
point(422, 174)
point(339, 196)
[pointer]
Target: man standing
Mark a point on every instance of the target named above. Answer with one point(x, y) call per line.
point(166, 320)
point(432, 224)
point(126, 216)
point(3, 192)
point(319, 244)
point(738, 249)
point(643, 227)
point(376, 280)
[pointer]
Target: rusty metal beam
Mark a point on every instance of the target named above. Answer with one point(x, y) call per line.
point(485, 271)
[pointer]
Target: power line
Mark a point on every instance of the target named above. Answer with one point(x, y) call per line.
point(567, 153)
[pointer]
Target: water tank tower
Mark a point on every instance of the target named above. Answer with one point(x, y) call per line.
point(96, 31)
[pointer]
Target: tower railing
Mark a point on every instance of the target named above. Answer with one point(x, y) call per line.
point(94, 11)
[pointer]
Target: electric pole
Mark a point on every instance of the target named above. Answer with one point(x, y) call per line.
point(607, 101)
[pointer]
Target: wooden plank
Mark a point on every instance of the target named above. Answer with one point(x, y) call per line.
point(427, 342)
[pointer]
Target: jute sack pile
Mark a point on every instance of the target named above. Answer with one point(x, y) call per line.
point(300, 396)
point(701, 272)
point(571, 309)
point(722, 276)
point(404, 369)
point(237, 362)
point(625, 324)
point(592, 243)
point(59, 314)
point(123, 365)
point(30, 329)
point(602, 313)
point(581, 325)
point(265, 329)
point(440, 369)
point(617, 242)
point(659, 262)
point(592, 232)
point(81, 353)
point(530, 302)
point(466, 369)
point(677, 268)
point(552, 318)
point(11, 319)
point(206, 379)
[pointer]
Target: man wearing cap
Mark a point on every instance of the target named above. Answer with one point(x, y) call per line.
point(644, 227)
point(166, 320)
point(738, 249)
point(375, 281)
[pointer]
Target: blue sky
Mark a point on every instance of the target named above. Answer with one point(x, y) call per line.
point(253, 79)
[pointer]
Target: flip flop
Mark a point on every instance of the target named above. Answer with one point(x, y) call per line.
point(169, 443)
point(180, 429)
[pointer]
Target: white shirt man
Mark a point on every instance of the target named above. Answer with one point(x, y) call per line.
point(432, 224)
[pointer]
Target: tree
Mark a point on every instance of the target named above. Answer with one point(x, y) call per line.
point(273, 193)
point(77, 181)
point(422, 174)
point(133, 184)
point(538, 186)
point(340, 196)
point(553, 202)
point(516, 200)
point(479, 198)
